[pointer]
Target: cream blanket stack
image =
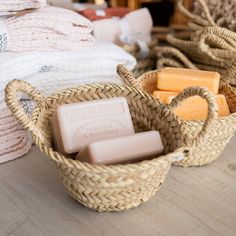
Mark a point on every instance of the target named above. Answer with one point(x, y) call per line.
point(51, 72)
point(45, 29)
point(19, 5)
point(14, 141)
point(53, 49)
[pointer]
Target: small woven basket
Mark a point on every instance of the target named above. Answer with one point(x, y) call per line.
point(115, 187)
point(218, 135)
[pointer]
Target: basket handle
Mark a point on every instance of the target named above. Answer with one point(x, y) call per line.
point(11, 91)
point(127, 77)
point(212, 108)
point(197, 19)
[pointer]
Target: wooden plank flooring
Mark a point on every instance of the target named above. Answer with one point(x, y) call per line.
point(193, 201)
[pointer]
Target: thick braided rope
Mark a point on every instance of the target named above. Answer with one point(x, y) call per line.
point(202, 53)
point(168, 62)
point(170, 55)
point(195, 18)
point(223, 12)
point(223, 38)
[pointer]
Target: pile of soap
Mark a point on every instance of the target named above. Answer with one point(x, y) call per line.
point(102, 132)
point(171, 81)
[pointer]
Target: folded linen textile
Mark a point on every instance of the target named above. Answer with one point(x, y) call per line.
point(105, 14)
point(50, 72)
point(45, 29)
point(14, 140)
point(135, 26)
point(19, 5)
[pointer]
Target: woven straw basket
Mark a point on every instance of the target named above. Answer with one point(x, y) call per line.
point(218, 135)
point(115, 187)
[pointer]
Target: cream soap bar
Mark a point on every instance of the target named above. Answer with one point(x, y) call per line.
point(121, 150)
point(76, 125)
point(177, 79)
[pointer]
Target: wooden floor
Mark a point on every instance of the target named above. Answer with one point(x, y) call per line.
point(193, 201)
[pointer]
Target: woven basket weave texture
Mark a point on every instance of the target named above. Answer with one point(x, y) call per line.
point(218, 135)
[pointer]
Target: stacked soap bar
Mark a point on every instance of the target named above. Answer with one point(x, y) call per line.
point(171, 81)
point(124, 149)
point(102, 132)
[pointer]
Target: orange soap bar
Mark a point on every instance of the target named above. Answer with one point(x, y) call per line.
point(164, 95)
point(132, 148)
point(76, 125)
point(177, 79)
point(196, 108)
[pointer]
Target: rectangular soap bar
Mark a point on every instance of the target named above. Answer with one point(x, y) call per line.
point(177, 79)
point(126, 149)
point(196, 108)
point(164, 95)
point(76, 125)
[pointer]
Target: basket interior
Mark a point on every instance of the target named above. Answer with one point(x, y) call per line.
point(148, 83)
point(146, 112)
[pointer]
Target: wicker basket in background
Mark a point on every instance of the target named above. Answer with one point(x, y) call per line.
point(208, 47)
point(172, 57)
point(211, 46)
point(115, 187)
point(219, 134)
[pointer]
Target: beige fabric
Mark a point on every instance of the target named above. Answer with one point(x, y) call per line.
point(19, 5)
point(14, 140)
point(48, 29)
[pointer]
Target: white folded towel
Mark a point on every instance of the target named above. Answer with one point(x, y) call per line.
point(135, 26)
point(19, 5)
point(45, 29)
point(50, 72)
